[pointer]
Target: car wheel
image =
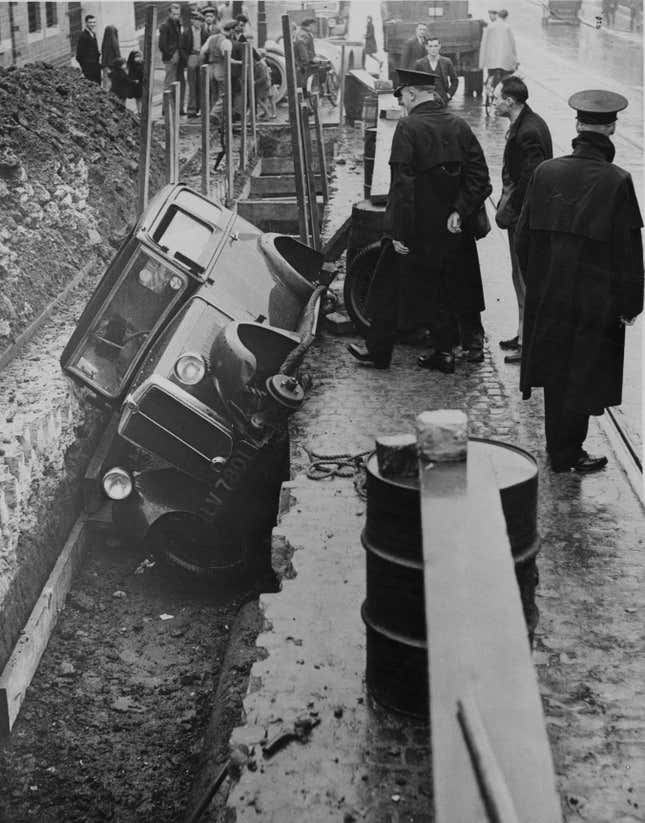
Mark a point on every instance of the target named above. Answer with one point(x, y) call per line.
point(357, 283)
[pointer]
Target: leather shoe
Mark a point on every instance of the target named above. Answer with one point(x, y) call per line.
point(441, 361)
point(584, 464)
point(510, 344)
point(367, 359)
point(514, 356)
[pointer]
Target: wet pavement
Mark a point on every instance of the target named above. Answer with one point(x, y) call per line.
point(361, 762)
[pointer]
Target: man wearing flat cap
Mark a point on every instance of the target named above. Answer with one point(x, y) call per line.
point(578, 240)
point(304, 51)
point(428, 263)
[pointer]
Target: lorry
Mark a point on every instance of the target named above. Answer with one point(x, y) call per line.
point(448, 20)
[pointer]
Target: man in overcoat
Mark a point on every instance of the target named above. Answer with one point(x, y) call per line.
point(579, 244)
point(415, 48)
point(87, 51)
point(528, 143)
point(447, 81)
point(439, 179)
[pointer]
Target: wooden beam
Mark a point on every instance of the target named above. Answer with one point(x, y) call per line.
point(341, 83)
point(227, 114)
point(280, 185)
point(312, 206)
point(245, 103)
point(253, 119)
point(145, 121)
point(205, 108)
point(32, 642)
point(322, 159)
point(294, 119)
point(478, 646)
point(334, 247)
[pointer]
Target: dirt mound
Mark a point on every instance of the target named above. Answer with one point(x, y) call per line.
point(68, 180)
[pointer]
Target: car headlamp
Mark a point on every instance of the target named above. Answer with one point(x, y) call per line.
point(117, 483)
point(190, 368)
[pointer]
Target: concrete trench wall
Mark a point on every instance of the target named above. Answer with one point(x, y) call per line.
point(47, 435)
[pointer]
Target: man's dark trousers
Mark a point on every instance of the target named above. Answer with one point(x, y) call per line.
point(565, 430)
point(382, 304)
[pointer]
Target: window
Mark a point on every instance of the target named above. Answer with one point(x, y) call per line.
point(33, 16)
point(51, 15)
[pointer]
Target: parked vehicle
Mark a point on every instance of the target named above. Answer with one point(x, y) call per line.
point(561, 11)
point(448, 20)
point(193, 338)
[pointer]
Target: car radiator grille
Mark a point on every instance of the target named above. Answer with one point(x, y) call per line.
point(159, 422)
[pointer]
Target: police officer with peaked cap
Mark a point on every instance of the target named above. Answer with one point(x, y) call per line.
point(578, 240)
point(428, 271)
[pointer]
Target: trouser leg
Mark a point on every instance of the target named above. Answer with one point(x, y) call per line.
point(565, 428)
point(382, 304)
point(518, 284)
point(169, 78)
point(192, 72)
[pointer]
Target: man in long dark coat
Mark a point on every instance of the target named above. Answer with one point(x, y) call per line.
point(429, 262)
point(415, 48)
point(579, 244)
point(87, 51)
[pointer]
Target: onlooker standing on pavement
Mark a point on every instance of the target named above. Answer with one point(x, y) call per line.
point(578, 240)
point(415, 48)
point(170, 47)
point(497, 52)
point(439, 179)
point(87, 51)
point(193, 38)
point(135, 73)
point(447, 81)
point(371, 49)
point(110, 52)
point(528, 143)
point(304, 51)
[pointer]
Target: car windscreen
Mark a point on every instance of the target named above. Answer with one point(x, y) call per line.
point(134, 308)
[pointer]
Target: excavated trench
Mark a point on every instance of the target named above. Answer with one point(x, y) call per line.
point(131, 708)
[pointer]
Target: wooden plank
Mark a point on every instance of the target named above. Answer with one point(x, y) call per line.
point(337, 243)
point(283, 165)
point(145, 118)
point(205, 108)
point(478, 647)
point(32, 642)
point(279, 185)
point(320, 141)
point(227, 114)
point(307, 157)
point(363, 77)
point(384, 134)
point(284, 210)
point(296, 138)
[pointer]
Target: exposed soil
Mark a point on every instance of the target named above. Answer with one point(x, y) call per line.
point(69, 156)
point(114, 723)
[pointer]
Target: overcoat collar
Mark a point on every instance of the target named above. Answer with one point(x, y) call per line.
point(591, 145)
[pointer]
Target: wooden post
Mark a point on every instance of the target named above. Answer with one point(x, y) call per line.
point(294, 119)
point(227, 114)
point(176, 97)
point(168, 102)
point(145, 123)
point(477, 641)
point(310, 176)
point(341, 81)
point(322, 159)
point(254, 134)
point(244, 119)
point(206, 129)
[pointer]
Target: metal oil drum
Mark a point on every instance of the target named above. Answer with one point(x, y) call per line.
point(366, 227)
point(394, 608)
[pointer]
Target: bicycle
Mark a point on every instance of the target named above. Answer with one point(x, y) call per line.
point(322, 78)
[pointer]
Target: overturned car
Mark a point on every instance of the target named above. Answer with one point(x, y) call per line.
point(194, 337)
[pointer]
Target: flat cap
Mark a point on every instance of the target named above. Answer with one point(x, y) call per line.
point(208, 10)
point(413, 78)
point(596, 106)
point(229, 25)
